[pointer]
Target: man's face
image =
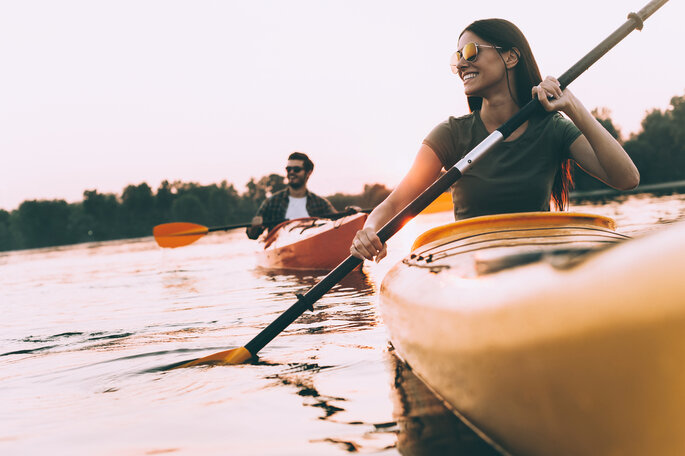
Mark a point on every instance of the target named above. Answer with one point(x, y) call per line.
point(297, 176)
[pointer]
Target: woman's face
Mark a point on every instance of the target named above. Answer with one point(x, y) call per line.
point(484, 74)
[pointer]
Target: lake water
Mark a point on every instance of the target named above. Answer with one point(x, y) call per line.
point(87, 331)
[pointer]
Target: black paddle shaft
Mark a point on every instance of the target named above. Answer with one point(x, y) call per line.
point(306, 301)
point(270, 223)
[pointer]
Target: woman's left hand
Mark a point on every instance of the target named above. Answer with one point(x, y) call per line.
point(551, 97)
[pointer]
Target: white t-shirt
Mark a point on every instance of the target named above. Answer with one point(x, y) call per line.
point(297, 208)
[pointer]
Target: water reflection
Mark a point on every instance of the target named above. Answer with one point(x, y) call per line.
point(636, 214)
point(305, 387)
point(346, 307)
point(352, 435)
point(357, 280)
point(179, 280)
point(426, 426)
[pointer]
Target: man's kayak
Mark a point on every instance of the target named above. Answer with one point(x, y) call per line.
point(310, 243)
point(550, 333)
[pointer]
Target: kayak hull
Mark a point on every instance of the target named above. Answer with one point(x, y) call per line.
point(574, 351)
point(309, 243)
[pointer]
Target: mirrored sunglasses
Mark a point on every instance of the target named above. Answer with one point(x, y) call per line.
point(469, 53)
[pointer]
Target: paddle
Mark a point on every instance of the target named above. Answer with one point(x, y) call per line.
point(179, 234)
point(306, 301)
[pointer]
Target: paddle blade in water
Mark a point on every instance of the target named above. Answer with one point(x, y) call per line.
point(233, 356)
point(178, 234)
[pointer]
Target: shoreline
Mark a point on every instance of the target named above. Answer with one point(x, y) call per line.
point(660, 188)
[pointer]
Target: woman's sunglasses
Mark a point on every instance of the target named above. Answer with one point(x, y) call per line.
point(294, 169)
point(469, 53)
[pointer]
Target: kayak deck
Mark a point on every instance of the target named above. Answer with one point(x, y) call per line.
point(548, 332)
point(493, 243)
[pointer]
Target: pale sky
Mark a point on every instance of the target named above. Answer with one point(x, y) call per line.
point(102, 94)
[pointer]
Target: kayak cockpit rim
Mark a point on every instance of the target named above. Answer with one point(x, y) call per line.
point(519, 220)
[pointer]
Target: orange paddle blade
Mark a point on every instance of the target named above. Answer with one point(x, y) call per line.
point(178, 234)
point(233, 356)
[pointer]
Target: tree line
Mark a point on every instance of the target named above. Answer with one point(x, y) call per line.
point(106, 216)
point(658, 150)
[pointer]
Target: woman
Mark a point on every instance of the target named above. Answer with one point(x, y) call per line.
point(528, 169)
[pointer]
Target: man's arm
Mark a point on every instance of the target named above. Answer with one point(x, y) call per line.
point(256, 229)
point(257, 226)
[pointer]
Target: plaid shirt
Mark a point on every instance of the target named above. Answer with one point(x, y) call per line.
point(274, 209)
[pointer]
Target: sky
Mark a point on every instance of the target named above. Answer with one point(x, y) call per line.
point(97, 95)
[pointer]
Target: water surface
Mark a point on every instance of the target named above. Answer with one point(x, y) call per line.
point(87, 331)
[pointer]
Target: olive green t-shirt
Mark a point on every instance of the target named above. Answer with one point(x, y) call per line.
point(514, 176)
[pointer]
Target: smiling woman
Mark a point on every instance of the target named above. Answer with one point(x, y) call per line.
point(531, 168)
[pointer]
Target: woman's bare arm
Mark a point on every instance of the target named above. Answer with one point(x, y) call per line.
point(423, 172)
point(596, 151)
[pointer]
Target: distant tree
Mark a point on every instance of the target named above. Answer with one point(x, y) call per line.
point(273, 183)
point(253, 192)
point(259, 190)
point(371, 197)
point(341, 200)
point(659, 149)
point(374, 194)
point(80, 225)
point(224, 206)
point(102, 213)
point(164, 198)
point(138, 215)
point(44, 223)
point(189, 208)
point(7, 241)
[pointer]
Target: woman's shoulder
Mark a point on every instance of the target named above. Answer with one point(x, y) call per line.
point(554, 118)
point(466, 119)
point(555, 125)
point(548, 122)
point(455, 124)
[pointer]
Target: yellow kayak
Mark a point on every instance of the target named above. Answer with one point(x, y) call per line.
point(550, 333)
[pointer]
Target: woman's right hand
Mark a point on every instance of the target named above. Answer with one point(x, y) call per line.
point(367, 245)
point(423, 172)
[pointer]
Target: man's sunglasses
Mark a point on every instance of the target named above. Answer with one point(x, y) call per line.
point(294, 169)
point(469, 53)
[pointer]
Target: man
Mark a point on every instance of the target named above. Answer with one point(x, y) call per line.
point(295, 201)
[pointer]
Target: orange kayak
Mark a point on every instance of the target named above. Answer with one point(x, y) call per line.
point(310, 243)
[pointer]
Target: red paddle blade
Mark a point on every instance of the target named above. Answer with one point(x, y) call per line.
point(178, 234)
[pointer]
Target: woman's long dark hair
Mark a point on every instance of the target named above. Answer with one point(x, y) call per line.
point(502, 33)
